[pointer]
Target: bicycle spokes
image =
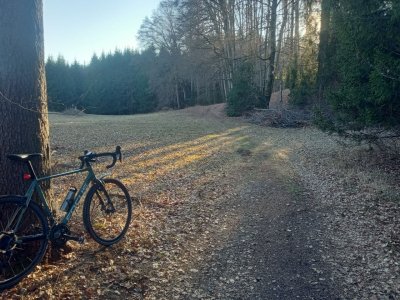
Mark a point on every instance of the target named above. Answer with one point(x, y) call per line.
point(22, 245)
point(107, 212)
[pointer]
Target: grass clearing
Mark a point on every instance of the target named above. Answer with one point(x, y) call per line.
point(181, 167)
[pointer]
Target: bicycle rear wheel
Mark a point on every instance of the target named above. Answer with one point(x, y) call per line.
point(22, 247)
point(107, 211)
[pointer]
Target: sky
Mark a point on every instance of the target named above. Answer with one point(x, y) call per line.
point(76, 29)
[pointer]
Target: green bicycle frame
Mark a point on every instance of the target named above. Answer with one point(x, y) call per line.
point(35, 186)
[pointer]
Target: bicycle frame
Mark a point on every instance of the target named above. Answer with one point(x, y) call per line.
point(35, 186)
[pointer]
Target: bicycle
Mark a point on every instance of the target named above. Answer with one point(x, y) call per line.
point(26, 226)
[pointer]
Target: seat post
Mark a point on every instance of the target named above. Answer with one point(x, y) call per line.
point(31, 170)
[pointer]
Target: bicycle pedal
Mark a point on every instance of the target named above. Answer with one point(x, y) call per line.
point(79, 239)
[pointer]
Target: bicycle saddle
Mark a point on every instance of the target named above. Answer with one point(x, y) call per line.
point(23, 157)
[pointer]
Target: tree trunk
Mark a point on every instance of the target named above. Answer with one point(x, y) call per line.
point(278, 63)
point(272, 51)
point(266, 49)
point(296, 43)
point(23, 101)
point(323, 46)
point(178, 104)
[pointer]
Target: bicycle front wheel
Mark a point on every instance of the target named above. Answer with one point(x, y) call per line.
point(107, 211)
point(22, 244)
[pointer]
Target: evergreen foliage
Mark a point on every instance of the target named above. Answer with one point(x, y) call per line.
point(65, 84)
point(126, 82)
point(365, 92)
point(112, 84)
point(242, 97)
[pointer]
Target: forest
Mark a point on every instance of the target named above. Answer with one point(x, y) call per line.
point(212, 207)
point(340, 59)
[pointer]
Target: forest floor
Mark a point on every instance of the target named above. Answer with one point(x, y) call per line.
point(229, 210)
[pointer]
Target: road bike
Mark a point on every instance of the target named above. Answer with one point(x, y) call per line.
point(27, 224)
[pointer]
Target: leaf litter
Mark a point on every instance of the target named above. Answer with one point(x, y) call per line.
point(182, 172)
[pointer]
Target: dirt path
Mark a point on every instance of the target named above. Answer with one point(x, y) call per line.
point(262, 236)
point(226, 210)
point(270, 250)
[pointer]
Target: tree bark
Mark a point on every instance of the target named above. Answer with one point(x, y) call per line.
point(272, 51)
point(178, 103)
point(23, 101)
point(295, 49)
point(279, 65)
point(323, 46)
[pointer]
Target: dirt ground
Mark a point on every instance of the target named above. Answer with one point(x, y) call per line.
point(209, 111)
point(229, 210)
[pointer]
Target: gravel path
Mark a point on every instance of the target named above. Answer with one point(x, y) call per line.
point(264, 238)
point(272, 253)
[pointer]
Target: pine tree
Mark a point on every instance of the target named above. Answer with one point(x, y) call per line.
point(365, 93)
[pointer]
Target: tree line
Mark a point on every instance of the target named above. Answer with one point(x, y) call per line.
point(341, 58)
point(111, 84)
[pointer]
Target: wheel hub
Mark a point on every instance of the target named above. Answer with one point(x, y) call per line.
point(109, 210)
point(7, 242)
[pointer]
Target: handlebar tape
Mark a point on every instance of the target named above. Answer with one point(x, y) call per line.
point(90, 157)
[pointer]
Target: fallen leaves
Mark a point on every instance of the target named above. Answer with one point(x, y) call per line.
point(183, 175)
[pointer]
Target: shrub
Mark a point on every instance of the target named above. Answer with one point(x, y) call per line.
point(243, 96)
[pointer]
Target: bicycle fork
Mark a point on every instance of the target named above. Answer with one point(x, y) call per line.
point(106, 206)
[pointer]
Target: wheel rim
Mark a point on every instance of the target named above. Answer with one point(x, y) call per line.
point(109, 220)
point(21, 250)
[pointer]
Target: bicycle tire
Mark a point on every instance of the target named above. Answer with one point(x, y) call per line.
point(107, 224)
point(22, 251)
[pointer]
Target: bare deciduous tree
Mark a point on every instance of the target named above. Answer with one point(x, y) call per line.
point(216, 36)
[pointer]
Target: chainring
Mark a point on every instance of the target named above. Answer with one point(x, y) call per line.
point(57, 235)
